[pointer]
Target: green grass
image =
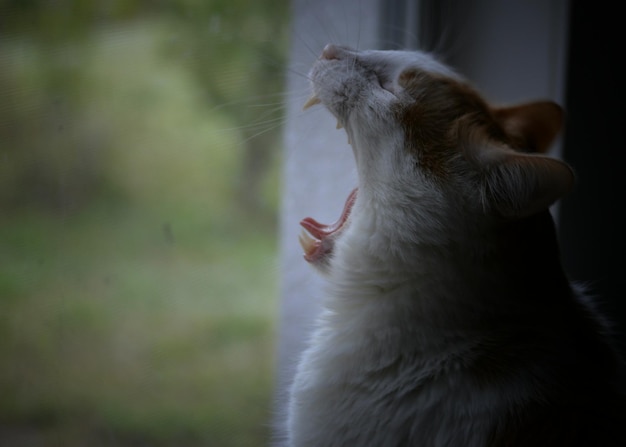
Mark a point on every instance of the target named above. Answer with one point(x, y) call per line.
point(107, 324)
point(145, 314)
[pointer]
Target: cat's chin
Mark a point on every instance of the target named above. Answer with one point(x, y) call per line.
point(318, 240)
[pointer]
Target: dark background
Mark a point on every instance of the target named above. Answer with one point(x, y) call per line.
point(592, 223)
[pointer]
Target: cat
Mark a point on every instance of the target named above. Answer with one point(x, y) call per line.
point(448, 319)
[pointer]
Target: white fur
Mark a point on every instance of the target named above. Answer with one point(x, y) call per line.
point(407, 310)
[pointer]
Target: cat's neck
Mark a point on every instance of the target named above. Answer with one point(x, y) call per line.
point(514, 248)
point(517, 266)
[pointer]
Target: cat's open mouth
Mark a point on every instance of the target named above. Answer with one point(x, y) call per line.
point(319, 239)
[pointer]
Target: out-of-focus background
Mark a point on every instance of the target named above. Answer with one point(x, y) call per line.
point(139, 175)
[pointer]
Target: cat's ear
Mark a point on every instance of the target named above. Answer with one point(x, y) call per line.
point(532, 127)
point(516, 185)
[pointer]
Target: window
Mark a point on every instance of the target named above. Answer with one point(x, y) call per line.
point(139, 171)
point(486, 40)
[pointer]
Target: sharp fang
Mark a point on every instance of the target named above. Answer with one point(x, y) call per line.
point(339, 125)
point(306, 242)
point(313, 100)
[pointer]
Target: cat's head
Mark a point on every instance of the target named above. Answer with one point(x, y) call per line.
point(430, 150)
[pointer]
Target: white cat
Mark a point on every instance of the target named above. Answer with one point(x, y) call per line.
point(448, 320)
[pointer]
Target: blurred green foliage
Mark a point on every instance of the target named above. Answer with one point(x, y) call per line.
point(233, 49)
point(138, 195)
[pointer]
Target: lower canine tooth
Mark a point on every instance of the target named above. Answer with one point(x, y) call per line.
point(313, 100)
point(306, 241)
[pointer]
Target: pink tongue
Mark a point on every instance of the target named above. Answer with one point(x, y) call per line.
point(321, 231)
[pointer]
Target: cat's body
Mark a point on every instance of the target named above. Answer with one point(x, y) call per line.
point(448, 320)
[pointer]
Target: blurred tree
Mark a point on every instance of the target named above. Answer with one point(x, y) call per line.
point(237, 50)
point(50, 155)
point(234, 48)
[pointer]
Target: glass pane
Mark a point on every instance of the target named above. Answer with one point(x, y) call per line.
point(139, 167)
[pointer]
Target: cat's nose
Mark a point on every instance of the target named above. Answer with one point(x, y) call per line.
point(332, 51)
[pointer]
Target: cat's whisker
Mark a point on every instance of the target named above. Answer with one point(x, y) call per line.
point(306, 44)
point(264, 131)
point(253, 125)
point(249, 101)
point(299, 74)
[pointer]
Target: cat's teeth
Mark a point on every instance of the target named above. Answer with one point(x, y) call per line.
point(313, 100)
point(339, 125)
point(306, 242)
